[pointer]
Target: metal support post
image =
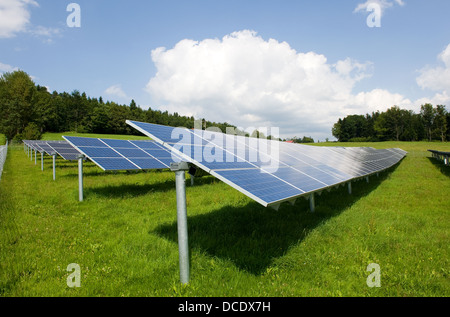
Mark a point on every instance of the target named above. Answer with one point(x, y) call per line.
point(183, 245)
point(35, 157)
point(80, 176)
point(54, 165)
point(42, 161)
point(312, 206)
point(349, 187)
point(367, 178)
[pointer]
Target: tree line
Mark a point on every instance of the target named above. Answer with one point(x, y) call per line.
point(395, 124)
point(28, 110)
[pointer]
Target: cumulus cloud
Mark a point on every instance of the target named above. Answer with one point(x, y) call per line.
point(14, 16)
point(383, 4)
point(5, 68)
point(437, 80)
point(251, 82)
point(116, 91)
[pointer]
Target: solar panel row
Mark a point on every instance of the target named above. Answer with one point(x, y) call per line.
point(111, 154)
point(268, 171)
point(441, 155)
point(62, 148)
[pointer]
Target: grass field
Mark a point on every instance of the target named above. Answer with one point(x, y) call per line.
point(124, 234)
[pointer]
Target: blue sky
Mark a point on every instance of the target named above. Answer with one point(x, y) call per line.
point(314, 61)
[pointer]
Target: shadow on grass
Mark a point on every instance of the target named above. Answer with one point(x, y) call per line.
point(127, 190)
point(253, 236)
point(445, 169)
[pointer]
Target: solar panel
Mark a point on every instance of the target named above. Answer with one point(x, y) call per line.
point(65, 150)
point(441, 155)
point(269, 171)
point(111, 154)
point(46, 148)
point(33, 144)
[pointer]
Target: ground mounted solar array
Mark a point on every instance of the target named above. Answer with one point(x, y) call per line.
point(111, 154)
point(62, 148)
point(270, 172)
point(108, 154)
point(441, 155)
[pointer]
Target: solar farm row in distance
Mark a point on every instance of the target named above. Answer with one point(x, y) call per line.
point(240, 162)
point(62, 148)
point(111, 154)
point(441, 155)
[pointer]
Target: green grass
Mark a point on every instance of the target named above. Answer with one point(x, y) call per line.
point(124, 234)
point(2, 139)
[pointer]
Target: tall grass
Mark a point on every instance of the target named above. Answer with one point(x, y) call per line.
point(124, 234)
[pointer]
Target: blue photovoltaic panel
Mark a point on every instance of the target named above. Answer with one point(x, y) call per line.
point(47, 148)
point(64, 149)
point(103, 152)
point(116, 163)
point(112, 154)
point(270, 171)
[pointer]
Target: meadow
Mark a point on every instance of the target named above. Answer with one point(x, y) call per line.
point(124, 234)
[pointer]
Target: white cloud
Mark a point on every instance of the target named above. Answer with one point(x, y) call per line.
point(5, 68)
point(384, 4)
point(437, 79)
point(14, 16)
point(116, 91)
point(46, 33)
point(380, 99)
point(251, 82)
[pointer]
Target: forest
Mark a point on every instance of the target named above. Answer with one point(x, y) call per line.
point(28, 110)
point(395, 124)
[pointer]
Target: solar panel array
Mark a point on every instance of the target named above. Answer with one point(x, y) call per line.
point(441, 155)
point(111, 154)
point(65, 150)
point(62, 148)
point(268, 171)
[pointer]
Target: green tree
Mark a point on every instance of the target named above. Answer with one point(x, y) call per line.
point(16, 108)
point(440, 122)
point(427, 113)
point(391, 125)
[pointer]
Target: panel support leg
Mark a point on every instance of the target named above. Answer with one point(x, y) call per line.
point(80, 177)
point(42, 161)
point(54, 165)
point(183, 245)
point(349, 185)
point(312, 206)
